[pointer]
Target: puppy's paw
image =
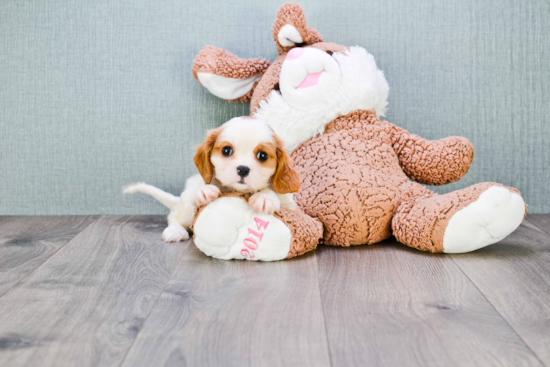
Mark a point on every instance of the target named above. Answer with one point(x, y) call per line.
point(174, 233)
point(289, 205)
point(206, 194)
point(265, 203)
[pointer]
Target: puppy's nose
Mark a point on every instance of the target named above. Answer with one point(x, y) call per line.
point(243, 171)
point(294, 53)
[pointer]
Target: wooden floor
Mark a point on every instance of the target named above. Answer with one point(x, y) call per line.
point(93, 291)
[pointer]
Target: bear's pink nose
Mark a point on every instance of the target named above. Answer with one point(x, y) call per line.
point(295, 53)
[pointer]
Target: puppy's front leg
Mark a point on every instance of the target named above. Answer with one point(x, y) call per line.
point(265, 202)
point(175, 233)
point(287, 201)
point(206, 194)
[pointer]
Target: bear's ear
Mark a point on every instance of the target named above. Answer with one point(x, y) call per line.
point(227, 76)
point(290, 29)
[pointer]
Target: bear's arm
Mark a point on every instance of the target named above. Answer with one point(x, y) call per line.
point(431, 162)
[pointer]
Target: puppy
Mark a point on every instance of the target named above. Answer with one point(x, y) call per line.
point(242, 155)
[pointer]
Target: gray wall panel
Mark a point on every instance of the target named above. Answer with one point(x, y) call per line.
point(98, 94)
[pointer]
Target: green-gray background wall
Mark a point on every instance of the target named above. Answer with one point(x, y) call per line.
point(98, 94)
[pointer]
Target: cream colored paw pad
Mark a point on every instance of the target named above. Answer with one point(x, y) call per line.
point(228, 228)
point(493, 216)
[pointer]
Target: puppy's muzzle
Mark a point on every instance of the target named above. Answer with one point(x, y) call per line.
point(243, 171)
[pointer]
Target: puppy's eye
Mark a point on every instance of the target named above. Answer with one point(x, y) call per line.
point(227, 151)
point(262, 156)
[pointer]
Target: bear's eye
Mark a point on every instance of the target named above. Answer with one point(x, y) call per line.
point(262, 156)
point(227, 151)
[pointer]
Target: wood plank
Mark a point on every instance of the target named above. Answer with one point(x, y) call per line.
point(514, 275)
point(6, 218)
point(235, 313)
point(542, 221)
point(388, 305)
point(26, 242)
point(86, 304)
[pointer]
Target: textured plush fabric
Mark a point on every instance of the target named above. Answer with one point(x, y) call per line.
point(305, 231)
point(220, 62)
point(290, 14)
point(270, 79)
point(353, 181)
point(96, 95)
point(422, 216)
point(350, 180)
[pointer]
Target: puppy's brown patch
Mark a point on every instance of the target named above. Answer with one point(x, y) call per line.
point(286, 179)
point(217, 149)
point(271, 152)
point(202, 157)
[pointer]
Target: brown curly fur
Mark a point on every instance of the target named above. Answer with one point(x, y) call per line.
point(221, 62)
point(293, 14)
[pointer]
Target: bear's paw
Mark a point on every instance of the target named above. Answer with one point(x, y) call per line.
point(228, 228)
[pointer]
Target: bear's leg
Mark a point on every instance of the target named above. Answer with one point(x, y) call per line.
point(461, 221)
point(228, 228)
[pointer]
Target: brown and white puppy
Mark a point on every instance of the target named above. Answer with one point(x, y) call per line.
point(242, 155)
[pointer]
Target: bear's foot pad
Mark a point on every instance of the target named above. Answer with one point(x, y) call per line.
point(228, 228)
point(494, 215)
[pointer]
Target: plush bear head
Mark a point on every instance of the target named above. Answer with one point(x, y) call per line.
point(307, 86)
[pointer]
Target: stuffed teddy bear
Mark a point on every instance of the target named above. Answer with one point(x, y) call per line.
point(361, 177)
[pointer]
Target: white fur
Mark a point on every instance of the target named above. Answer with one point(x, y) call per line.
point(362, 86)
point(168, 200)
point(289, 36)
point(265, 201)
point(175, 232)
point(493, 216)
point(244, 134)
point(294, 71)
point(182, 209)
point(287, 201)
point(227, 88)
point(223, 227)
point(206, 194)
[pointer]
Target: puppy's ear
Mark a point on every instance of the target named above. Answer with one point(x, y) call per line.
point(202, 157)
point(285, 179)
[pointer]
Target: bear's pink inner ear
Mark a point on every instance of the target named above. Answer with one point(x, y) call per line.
point(226, 75)
point(290, 29)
